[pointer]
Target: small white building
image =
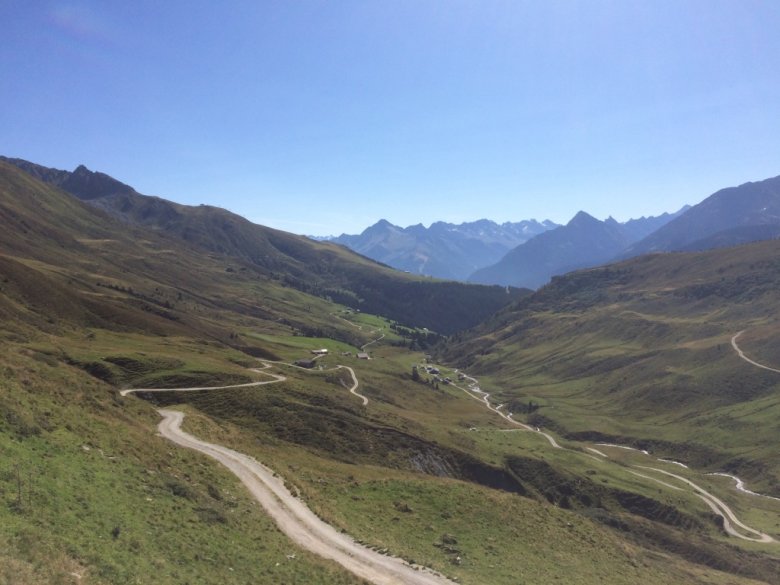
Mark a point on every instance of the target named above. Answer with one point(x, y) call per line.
point(320, 351)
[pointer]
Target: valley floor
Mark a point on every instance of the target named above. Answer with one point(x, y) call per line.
point(308, 531)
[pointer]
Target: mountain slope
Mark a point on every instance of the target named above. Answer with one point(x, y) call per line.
point(637, 229)
point(82, 182)
point(639, 353)
point(443, 250)
point(66, 264)
point(584, 241)
point(735, 208)
point(319, 268)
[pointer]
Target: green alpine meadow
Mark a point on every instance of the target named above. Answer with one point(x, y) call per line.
point(389, 293)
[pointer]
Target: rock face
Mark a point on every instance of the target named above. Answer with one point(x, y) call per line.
point(87, 185)
point(443, 250)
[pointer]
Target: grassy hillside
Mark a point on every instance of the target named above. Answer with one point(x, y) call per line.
point(86, 489)
point(318, 268)
point(640, 353)
point(103, 497)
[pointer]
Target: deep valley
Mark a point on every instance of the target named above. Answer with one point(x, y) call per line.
point(619, 425)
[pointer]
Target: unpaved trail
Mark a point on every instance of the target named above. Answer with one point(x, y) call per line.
point(296, 520)
point(276, 378)
point(673, 462)
point(626, 447)
point(720, 508)
point(741, 487)
point(352, 389)
point(741, 354)
point(714, 503)
point(355, 384)
point(266, 364)
point(360, 328)
point(348, 322)
point(656, 480)
point(291, 515)
point(365, 345)
point(484, 398)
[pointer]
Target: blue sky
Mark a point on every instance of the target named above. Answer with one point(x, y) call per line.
point(322, 117)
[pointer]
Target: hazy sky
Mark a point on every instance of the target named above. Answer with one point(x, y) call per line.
point(324, 116)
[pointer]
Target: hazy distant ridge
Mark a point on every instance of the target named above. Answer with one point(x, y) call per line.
point(584, 241)
point(443, 250)
point(729, 217)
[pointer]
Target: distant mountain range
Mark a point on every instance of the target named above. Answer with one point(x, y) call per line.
point(484, 251)
point(525, 254)
point(444, 250)
point(732, 216)
point(583, 242)
point(528, 254)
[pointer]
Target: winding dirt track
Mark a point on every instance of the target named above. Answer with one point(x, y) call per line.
point(714, 503)
point(291, 515)
point(276, 378)
point(355, 384)
point(296, 520)
point(373, 341)
point(719, 508)
point(484, 397)
point(741, 354)
point(741, 487)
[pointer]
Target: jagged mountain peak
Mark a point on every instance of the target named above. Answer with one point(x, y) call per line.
point(582, 218)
